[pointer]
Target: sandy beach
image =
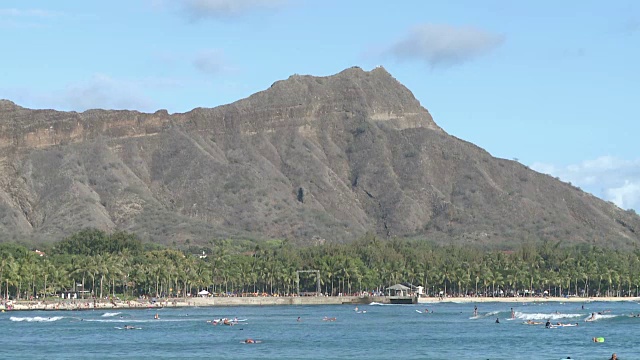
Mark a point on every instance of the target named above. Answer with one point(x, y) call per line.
point(277, 300)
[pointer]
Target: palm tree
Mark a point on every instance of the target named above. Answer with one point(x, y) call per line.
point(11, 270)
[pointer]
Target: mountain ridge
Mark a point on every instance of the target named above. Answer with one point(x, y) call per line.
point(308, 158)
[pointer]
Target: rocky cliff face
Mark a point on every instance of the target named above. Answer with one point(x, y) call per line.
point(309, 158)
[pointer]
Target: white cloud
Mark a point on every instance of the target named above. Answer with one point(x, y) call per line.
point(611, 178)
point(41, 13)
point(26, 18)
point(104, 92)
point(98, 92)
point(626, 196)
point(631, 26)
point(444, 45)
point(220, 9)
point(210, 62)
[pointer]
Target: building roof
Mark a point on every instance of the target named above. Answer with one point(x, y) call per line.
point(398, 287)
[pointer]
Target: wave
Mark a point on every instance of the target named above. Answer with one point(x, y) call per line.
point(597, 317)
point(110, 314)
point(542, 316)
point(36, 318)
point(480, 316)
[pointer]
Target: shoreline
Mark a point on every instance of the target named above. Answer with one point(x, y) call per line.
point(79, 305)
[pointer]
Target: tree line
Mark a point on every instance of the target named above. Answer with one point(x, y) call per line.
point(93, 263)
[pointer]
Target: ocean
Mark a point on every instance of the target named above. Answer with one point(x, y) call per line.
point(375, 331)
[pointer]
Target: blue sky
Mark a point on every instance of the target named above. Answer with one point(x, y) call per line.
point(554, 84)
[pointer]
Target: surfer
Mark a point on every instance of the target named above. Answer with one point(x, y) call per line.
point(547, 324)
point(592, 317)
point(129, 327)
point(513, 314)
point(157, 317)
point(613, 357)
point(497, 320)
point(249, 341)
point(299, 320)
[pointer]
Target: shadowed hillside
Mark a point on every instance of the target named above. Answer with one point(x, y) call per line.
point(309, 158)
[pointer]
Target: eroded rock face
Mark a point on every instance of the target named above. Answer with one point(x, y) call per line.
point(310, 157)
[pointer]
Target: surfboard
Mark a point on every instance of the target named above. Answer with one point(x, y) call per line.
point(563, 325)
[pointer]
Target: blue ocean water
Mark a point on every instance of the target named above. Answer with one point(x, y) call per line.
point(448, 331)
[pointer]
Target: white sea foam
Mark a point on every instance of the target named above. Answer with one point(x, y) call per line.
point(36, 318)
point(480, 316)
point(542, 316)
point(110, 314)
point(597, 317)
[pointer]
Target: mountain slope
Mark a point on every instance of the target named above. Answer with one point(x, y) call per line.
point(309, 158)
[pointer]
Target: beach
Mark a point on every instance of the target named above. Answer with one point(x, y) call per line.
point(90, 304)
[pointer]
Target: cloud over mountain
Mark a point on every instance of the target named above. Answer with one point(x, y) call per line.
point(210, 61)
point(608, 177)
point(444, 45)
point(220, 9)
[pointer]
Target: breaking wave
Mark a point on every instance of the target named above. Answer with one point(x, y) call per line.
point(35, 318)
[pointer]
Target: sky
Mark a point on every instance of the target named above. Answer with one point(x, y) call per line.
point(551, 84)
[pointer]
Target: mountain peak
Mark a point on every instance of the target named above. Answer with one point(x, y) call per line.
point(375, 94)
point(7, 105)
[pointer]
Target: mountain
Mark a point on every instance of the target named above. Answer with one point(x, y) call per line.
point(310, 159)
